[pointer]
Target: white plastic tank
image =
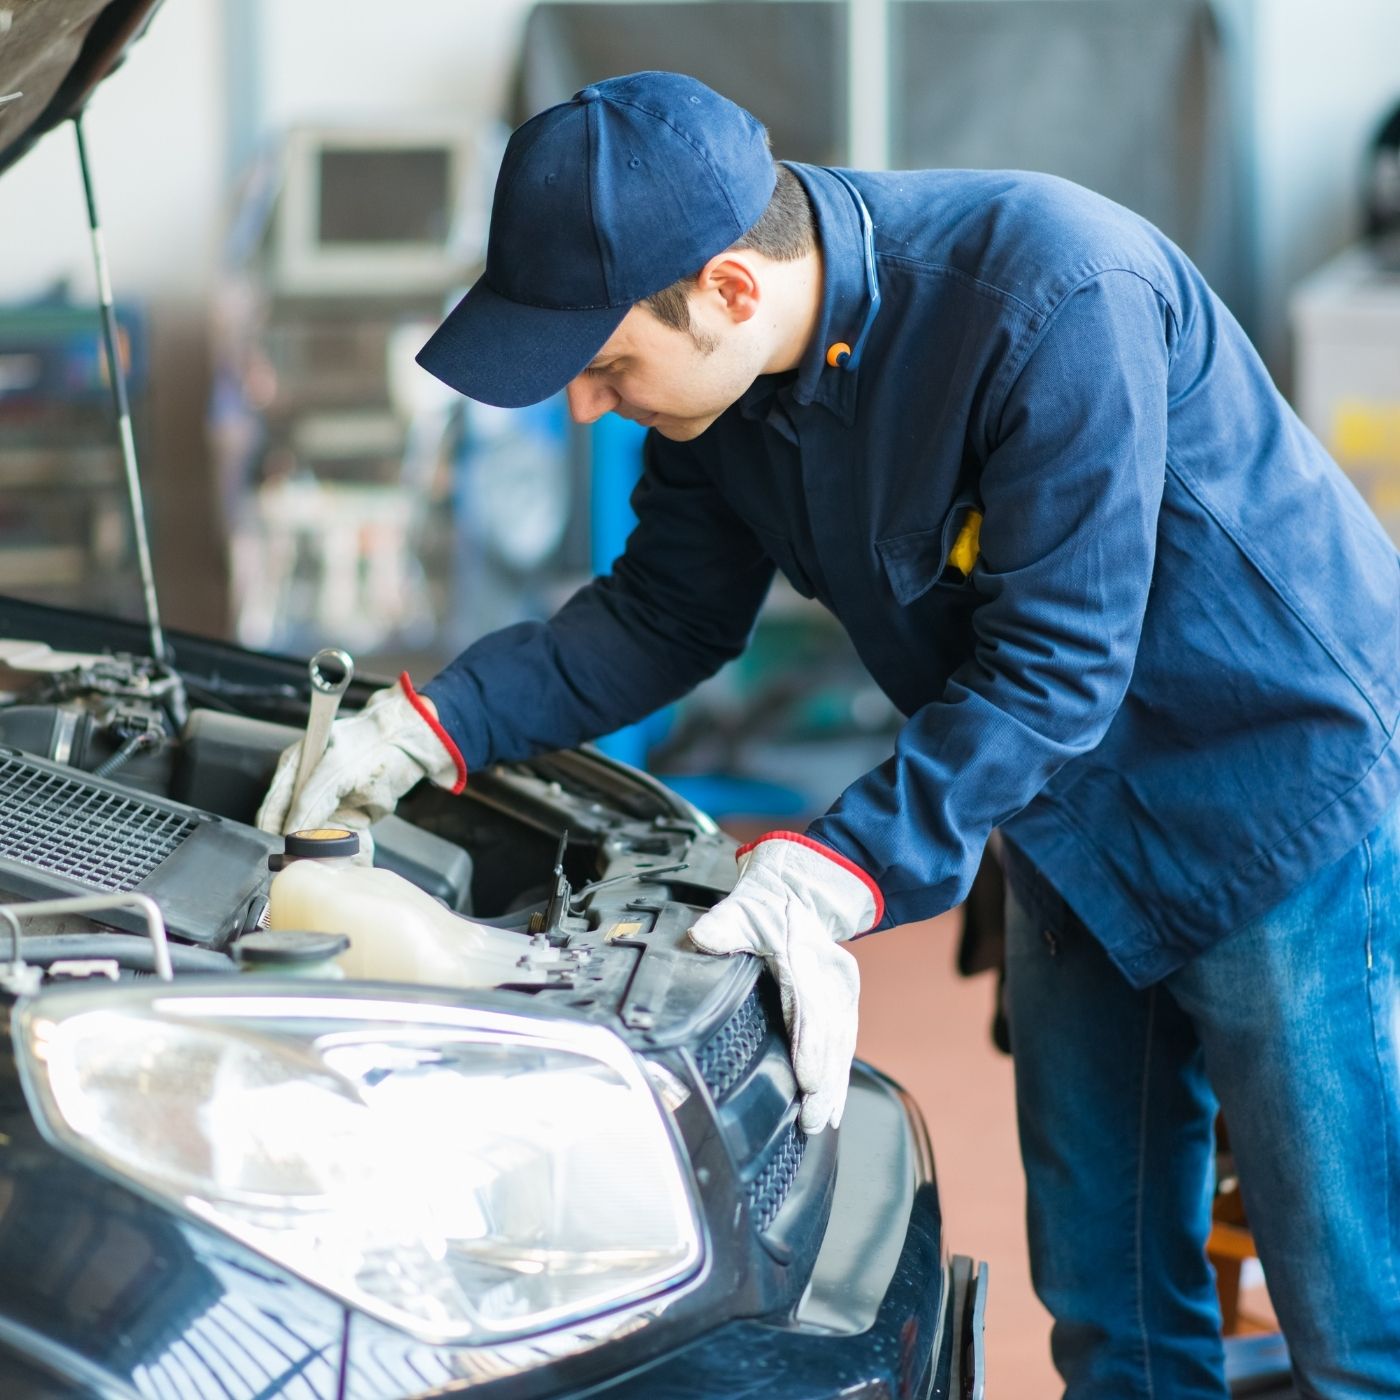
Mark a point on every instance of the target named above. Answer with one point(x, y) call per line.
point(397, 932)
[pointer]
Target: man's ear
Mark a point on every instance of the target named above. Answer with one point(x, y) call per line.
point(729, 278)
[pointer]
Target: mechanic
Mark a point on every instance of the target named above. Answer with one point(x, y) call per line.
point(1135, 617)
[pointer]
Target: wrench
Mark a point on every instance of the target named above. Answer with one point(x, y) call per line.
point(331, 672)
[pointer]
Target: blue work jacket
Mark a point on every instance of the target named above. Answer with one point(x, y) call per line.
point(1172, 674)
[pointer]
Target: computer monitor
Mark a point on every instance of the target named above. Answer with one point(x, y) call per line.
point(369, 210)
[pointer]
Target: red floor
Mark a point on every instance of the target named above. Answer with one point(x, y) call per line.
point(928, 1028)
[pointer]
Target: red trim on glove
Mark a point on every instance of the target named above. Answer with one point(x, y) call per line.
point(435, 725)
point(831, 854)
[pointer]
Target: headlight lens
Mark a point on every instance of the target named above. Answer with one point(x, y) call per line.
point(469, 1175)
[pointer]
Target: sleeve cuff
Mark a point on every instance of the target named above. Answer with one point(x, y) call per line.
point(435, 724)
point(831, 854)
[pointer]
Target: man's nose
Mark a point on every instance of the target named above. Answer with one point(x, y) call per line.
point(589, 399)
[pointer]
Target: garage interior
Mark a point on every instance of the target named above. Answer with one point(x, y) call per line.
point(307, 486)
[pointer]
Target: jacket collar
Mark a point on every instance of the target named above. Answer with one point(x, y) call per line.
point(845, 304)
point(845, 295)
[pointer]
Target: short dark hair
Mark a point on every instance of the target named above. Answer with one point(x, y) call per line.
point(785, 231)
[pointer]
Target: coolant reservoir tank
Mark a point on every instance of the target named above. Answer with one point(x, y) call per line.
point(397, 932)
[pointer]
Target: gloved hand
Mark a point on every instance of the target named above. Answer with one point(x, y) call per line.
point(373, 758)
point(794, 901)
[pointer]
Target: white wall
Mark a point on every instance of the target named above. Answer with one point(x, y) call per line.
point(212, 77)
point(326, 59)
point(154, 134)
point(166, 133)
point(1324, 76)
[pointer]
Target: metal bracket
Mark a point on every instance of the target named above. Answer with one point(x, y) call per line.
point(17, 969)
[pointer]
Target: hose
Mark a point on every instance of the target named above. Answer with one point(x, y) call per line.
point(128, 950)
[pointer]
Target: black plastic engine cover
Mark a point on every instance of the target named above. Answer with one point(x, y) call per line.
point(64, 832)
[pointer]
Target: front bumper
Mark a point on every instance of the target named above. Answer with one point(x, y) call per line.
point(887, 1313)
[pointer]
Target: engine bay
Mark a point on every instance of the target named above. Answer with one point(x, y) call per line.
point(119, 774)
point(129, 787)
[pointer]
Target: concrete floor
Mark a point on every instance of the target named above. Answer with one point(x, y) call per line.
point(926, 1026)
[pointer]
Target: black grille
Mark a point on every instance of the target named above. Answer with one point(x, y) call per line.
point(81, 832)
point(769, 1189)
point(727, 1054)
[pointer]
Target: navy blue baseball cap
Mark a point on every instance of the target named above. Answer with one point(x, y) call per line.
point(601, 201)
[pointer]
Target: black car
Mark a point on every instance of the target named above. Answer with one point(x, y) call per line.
point(223, 1177)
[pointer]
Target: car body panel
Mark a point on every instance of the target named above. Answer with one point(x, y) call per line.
point(105, 1286)
point(108, 1292)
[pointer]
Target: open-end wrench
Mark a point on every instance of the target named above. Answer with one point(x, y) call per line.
point(331, 672)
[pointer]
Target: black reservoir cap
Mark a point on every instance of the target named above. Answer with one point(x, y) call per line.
point(285, 947)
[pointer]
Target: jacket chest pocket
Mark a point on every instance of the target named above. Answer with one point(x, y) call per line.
point(781, 551)
point(941, 558)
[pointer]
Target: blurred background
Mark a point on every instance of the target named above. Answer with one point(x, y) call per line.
point(294, 190)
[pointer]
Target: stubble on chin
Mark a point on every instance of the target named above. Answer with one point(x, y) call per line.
point(673, 432)
point(682, 429)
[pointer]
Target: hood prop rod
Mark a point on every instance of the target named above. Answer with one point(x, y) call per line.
point(123, 407)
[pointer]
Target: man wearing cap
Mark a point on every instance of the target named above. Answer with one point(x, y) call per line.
point(1135, 617)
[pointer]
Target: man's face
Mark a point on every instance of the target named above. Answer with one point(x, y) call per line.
point(662, 378)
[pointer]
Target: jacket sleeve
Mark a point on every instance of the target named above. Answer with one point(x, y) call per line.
point(679, 602)
point(1071, 491)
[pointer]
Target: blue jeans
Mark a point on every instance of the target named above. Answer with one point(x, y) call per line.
point(1291, 1023)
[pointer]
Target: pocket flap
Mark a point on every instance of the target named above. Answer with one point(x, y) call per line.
point(915, 562)
point(912, 562)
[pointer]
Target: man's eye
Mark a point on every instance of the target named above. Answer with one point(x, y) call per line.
point(597, 371)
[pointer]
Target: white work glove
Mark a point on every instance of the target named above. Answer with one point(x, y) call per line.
point(373, 758)
point(794, 901)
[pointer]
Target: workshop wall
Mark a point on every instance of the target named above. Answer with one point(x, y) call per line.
point(154, 139)
point(208, 81)
point(212, 78)
point(1319, 82)
point(427, 54)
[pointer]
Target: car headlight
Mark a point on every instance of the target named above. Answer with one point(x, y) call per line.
point(469, 1175)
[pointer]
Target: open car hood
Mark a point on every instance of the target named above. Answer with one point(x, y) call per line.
point(53, 53)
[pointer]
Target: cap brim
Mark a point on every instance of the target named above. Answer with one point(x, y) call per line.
point(508, 354)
